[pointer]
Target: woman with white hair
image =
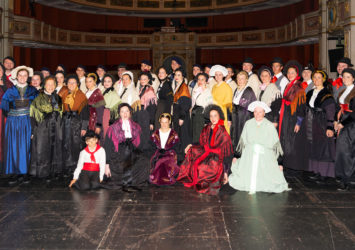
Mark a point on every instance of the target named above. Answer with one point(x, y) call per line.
point(222, 93)
point(257, 160)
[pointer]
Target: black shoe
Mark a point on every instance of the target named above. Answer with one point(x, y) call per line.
point(320, 181)
point(314, 177)
point(128, 190)
point(137, 188)
point(13, 181)
point(343, 187)
point(26, 179)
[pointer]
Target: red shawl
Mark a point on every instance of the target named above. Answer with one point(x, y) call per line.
point(220, 138)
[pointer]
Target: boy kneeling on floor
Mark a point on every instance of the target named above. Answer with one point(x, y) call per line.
point(90, 170)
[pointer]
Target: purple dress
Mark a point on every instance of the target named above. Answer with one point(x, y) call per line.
point(163, 164)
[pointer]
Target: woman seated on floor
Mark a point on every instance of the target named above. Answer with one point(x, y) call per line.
point(126, 167)
point(163, 164)
point(257, 162)
point(202, 168)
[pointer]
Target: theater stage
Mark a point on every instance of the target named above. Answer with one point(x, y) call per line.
point(308, 217)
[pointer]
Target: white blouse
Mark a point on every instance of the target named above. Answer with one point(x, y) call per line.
point(126, 128)
point(163, 137)
point(313, 97)
point(345, 93)
point(90, 92)
point(100, 158)
point(237, 96)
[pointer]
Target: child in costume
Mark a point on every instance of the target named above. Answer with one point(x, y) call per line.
point(90, 170)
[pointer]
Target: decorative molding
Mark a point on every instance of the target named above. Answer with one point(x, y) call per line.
point(29, 29)
point(166, 8)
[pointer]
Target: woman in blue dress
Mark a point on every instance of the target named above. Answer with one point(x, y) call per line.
point(16, 103)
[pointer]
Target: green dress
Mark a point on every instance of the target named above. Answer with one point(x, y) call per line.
point(257, 168)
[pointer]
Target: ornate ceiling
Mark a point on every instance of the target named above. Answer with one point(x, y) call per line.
point(165, 8)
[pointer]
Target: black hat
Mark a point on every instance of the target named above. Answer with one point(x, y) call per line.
point(11, 59)
point(45, 69)
point(122, 65)
point(82, 67)
point(215, 107)
point(346, 60)
point(277, 60)
point(309, 67)
point(100, 66)
point(350, 71)
point(265, 68)
point(248, 60)
point(198, 66)
point(208, 66)
point(63, 67)
point(91, 134)
point(147, 62)
point(293, 64)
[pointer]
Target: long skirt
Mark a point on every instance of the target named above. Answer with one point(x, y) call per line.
point(239, 117)
point(17, 144)
point(46, 147)
point(73, 142)
point(184, 133)
point(105, 123)
point(128, 167)
point(142, 118)
point(2, 137)
point(202, 170)
point(198, 122)
point(345, 153)
point(164, 167)
point(293, 144)
point(320, 147)
point(257, 172)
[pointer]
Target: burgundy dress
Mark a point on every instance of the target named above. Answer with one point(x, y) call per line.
point(163, 164)
point(202, 168)
point(96, 108)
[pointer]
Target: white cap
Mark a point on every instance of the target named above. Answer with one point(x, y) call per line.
point(219, 68)
point(260, 104)
point(17, 69)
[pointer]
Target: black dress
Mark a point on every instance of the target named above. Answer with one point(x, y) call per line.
point(129, 168)
point(345, 145)
point(74, 120)
point(165, 100)
point(146, 117)
point(241, 114)
point(319, 119)
point(47, 131)
point(293, 111)
point(181, 111)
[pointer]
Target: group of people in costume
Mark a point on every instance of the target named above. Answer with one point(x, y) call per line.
point(247, 130)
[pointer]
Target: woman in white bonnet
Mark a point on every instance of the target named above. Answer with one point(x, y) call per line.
point(258, 157)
